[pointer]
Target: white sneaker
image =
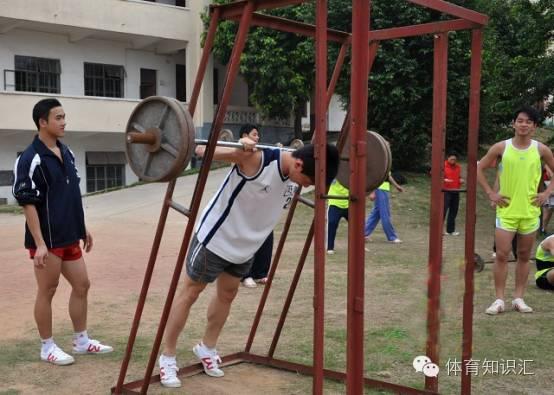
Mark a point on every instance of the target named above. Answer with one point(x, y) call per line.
point(330, 252)
point(249, 282)
point(519, 305)
point(496, 307)
point(56, 356)
point(210, 360)
point(168, 372)
point(395, 241)
point(92, 347)
point(452, 233)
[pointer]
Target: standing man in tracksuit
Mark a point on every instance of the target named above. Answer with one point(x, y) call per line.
point(46, 184)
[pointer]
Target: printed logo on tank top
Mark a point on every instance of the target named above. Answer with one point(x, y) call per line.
point(288, 194)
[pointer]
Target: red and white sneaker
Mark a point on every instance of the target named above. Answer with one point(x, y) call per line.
point(210, 360)
point(168, 372)
point(92, 347)
point(56, 356)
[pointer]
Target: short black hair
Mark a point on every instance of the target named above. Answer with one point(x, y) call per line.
point(246, 129)
point(306, 154)
point(41, 110)
point(451, 153)
point(531, 112)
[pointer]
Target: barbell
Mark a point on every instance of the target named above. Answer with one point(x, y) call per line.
point(160, 139)
point(160, 143)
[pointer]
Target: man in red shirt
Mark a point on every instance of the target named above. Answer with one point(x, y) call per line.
point(451, 186)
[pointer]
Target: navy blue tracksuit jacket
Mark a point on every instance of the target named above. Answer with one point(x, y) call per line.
point(41, 179)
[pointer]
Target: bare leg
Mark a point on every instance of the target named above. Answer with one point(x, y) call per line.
point(524, 245)
point(179, 313)
point(220, 305)
point(550, 276)
point(503, 240)
point(76, 274)
point(47, 278)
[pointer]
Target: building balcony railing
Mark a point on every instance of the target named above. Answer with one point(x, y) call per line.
point(240, 115)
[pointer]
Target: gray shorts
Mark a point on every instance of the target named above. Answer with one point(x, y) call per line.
point(204, 266)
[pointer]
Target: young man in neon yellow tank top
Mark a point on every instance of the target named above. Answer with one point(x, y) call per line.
point(517, 202)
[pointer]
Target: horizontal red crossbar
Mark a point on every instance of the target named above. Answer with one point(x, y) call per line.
point(454, 10)
point(308, 30)
point(235, 9)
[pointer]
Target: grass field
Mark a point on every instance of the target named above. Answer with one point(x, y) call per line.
point(395, 325)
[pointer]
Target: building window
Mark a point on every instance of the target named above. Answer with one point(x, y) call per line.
point(181, 82)
point(104, 80)
point(37, 74)
point(6, 178)
point(148, 81)
point(105, 170)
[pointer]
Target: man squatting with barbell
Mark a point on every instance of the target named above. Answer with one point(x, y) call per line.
point(239, 217)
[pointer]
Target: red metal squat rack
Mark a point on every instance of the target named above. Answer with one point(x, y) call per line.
point(364, 43)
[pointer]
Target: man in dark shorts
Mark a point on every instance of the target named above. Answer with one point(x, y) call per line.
point(46, 184)
point(243, 212)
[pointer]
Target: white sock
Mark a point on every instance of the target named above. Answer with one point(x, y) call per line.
point(168, 358)
point(46, 344)
point(81, 338)
point(208, 349)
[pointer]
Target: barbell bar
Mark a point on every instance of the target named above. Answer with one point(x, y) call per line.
point(150, 137)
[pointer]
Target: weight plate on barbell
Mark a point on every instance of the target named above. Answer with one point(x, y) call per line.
point(378, 162)
point(296, 144)
point(169, 156)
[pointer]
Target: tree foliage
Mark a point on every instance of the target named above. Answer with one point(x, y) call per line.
point(518, 67)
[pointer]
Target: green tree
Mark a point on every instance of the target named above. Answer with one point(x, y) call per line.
point(518, 67)
point(278, 67)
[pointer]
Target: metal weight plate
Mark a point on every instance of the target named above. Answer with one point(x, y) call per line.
point(225, 135)
point(296, 144)
point(378, 162)
point(171, 123)
point(387, 151)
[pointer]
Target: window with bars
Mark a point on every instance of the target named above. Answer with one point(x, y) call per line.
point(33, 74)
point(104, 80)
point(105, 170)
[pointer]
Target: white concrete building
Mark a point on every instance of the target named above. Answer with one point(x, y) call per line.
point(99, 58)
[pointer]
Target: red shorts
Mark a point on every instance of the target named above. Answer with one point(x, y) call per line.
point(68, 253)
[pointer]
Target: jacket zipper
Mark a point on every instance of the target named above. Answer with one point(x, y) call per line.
point(47, 208)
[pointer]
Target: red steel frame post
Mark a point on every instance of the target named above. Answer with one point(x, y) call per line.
point(472, 147)
point(232, 72)
point(437, 201)
point(320, 189)
point(356, 210)
point(165, 209)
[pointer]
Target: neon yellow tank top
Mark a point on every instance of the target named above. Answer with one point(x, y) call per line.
point(520, 174)
point(543, 255)
point(337, 189)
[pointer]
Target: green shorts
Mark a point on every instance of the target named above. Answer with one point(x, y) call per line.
point(523, 226)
